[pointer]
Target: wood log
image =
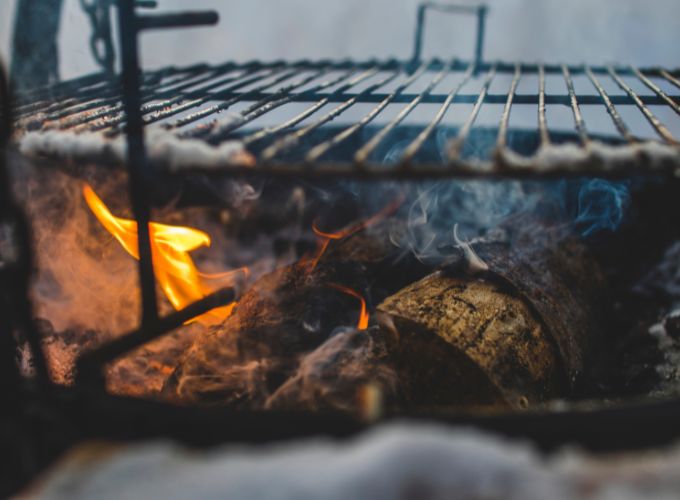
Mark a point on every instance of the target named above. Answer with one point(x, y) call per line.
point(287, 320)
point(529, 323)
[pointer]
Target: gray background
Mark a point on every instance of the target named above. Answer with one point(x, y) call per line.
point(628, 31)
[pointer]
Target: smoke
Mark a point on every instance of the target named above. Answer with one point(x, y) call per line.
point(82, 281)
point(584, 207)
point(601, 206)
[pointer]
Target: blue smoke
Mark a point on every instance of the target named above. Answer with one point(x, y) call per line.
point(601, 205)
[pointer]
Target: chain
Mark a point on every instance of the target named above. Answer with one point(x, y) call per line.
point(101, 41)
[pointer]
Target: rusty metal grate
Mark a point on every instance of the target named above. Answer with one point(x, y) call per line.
point(378, 105)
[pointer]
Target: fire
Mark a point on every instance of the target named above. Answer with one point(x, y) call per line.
point(364, 317)
point(326, 238)
point(175, 271)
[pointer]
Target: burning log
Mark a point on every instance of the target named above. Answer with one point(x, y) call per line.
point(277, 347)
point(284, 316)
point(503, 325)
point(518, 333)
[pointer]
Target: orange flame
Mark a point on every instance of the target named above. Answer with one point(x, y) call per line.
point(363, 315)
point(174, 268)
point(326, 238)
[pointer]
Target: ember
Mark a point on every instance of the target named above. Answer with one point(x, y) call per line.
point(363, 315)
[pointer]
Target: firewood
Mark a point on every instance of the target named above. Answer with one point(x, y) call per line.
point(257, 357)
point(521, 330)
point(468, 341)
point(283, 316)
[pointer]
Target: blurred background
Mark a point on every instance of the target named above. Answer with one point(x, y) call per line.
point(641, 32)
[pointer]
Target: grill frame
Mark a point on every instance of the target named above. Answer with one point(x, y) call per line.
point(118, 418)
point(275, 82)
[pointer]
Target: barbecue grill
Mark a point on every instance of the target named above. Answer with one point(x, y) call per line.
point(193, 104)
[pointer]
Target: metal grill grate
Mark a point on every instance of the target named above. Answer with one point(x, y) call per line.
point(330, 132)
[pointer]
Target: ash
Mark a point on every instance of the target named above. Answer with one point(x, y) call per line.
point(402, 461)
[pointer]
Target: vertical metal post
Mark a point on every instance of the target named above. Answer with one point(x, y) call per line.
point(420, 31)
point(480, 11)
point(138, 165)
point(481, 29)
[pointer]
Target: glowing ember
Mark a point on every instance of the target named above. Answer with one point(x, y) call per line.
point(363, 315)
point(326, 238)
point(174, 268)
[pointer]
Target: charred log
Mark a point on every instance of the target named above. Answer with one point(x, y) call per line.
point(528, 323)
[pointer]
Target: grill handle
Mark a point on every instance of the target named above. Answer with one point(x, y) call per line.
point(478, 10)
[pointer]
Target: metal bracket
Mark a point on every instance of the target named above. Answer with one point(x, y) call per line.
point(478, 10)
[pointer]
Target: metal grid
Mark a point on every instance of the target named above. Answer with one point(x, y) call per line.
point(191, 103)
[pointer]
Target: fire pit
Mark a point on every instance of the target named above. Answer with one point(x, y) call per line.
point(319, 249)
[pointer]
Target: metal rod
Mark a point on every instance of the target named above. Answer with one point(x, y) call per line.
point(418, 142)
point(259, 108)
point(272, 131)
point(196, 98)
point(542, 120)
point(456, 145)
point(318, 151)
point(110, 109)
point(178, 20)
point(670, 78)
point(138, 164)
point(294, 138)
point(95, 360)
point(575, 108)
point(230, 102)
point(480, 11)
point(593, 99)
point(660, 128)
point(619, 123)
point(481, 30)
point(657, 90)
point(502, 141)
point(362, 155)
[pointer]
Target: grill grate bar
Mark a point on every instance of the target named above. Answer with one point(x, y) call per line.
point(670, 78)
point(456, 146)
point(619, 123)
point(199, 98)
point(294, 138)
point(58, 98)
point(660, 128)
point(223, 106)
point(575, 108)
point(318, 151)
point(113, 105)
point(268, 132)
point(363, 154)
point(657, 90)
point(222, 133)
point(417, 144)
point(110, 88)
point(257, 109)
point(502, 140)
